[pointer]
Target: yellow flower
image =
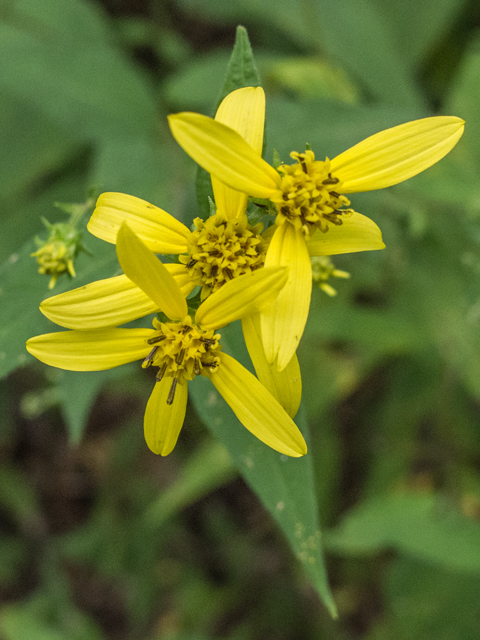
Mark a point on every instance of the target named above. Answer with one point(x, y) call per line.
point(220, 249)
point(313, 214)
point(181, 349)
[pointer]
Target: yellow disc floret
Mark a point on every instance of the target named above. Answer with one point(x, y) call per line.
point(221, 249)
point(182, 351)
point(310, 197)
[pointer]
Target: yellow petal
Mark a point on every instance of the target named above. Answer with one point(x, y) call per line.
point(244, 111)
point(283, 321)
point(148, 273)
point(224, 153)
point(160, 231)
point(256, 408)
point(285, 386)
point(240, 297)
point(396, 154)
point(357, 233)
point(90, 350)
point(107, 303)
point(163, 422)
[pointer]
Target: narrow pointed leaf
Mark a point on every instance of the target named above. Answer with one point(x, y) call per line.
point(163, 422)
point(90, 350)
point(241, 296)
point(224, 153)
point(148, 273)
point(285, 485)
point(396, 154)
point(160, 231)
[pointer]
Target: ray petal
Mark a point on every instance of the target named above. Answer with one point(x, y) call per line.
point(256, 408)
point(283, 321)
point(163, 422)
point(148, 273)
point(161, 232)
point(244, 111)
point(396, 154)
point(356, 233)
point(225, 154)
point(90, 350)
point(285, 386)
point(241, 296)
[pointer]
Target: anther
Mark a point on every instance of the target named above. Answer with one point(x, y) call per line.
point(179, 357)
point(149, 359)
point(304, 166)
point(331, 180)
point(334, 194)
point(196, 367)
point(191, 263)
point(156, 339)
point(186, 329)
point(161, 372)
point(171, 393)
point(229, 273)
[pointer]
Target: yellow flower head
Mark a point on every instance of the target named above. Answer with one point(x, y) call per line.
point(55, 255)
point(181, 349)
point(313, 214)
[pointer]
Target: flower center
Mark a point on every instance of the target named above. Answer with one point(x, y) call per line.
point(182, 351)
point(221, 249)
point(309, 198)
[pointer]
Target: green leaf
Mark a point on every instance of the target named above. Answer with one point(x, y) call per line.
point(465, 99)
point(370, 53)
point(418, 27)
point(428, 602)
point(242, 70)
point(77, 391)
point(426, 527)
point(61, 60)
point(285, 485)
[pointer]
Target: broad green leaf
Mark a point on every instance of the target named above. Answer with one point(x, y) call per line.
point(371, 55)
point(418, 27)
point(423, 601)
point(60, 60)
point(285, 485)
point(423, 526)
point(465, 98)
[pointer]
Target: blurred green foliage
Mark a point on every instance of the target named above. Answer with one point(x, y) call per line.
point(101, 539)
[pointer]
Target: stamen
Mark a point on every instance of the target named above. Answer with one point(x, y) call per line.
point(179, 357)
point(156, 339)
point(196, 368)
point(161, 371)
point(331, 180)
point(149, 359)
point(171, 393)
